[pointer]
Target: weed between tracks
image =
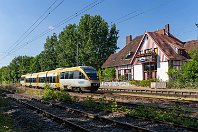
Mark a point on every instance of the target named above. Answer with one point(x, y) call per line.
point(102, 104)
point(51, 94)
point(175, 115)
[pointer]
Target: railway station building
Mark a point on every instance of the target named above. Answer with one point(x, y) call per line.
point(148, 56)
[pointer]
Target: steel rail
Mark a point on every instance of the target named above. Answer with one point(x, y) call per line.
point(116, 123)
point(184, 93)
point(53, 117)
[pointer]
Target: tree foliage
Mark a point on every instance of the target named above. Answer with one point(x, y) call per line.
point(193, 54)
point(108, 74)
point(187, 76)
point(67, 46)
point(97, 42)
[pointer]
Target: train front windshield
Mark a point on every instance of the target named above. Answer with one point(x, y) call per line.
point(91, 73)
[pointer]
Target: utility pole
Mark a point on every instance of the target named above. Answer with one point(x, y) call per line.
point(77, 54)
point(196, 24)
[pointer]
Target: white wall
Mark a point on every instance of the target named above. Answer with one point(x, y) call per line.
point(138, 72)
point(162, 69)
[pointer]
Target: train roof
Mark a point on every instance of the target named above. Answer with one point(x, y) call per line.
point(58, 70)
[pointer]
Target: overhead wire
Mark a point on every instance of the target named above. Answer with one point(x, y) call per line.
point(39, 22)
point(83, 10)
point(124, 16)
point(16, 42)
point(86, 8)
point(144, 11)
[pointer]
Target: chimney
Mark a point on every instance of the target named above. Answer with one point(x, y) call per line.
point(128, 39)
point(167, 29)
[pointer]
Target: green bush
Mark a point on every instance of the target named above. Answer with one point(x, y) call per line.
point(51, 94)
point(110, 105)
point(48, 93)
point(108, 74)
point(62, 96)
point(90, 102)
point(102, 104)
point(179, 84)
point(121, 78)
point(143, 83)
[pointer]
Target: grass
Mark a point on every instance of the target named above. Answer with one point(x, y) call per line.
point(175, 115)
point(51, 94)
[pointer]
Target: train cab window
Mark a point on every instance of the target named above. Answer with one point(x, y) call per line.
point(66, 75)
point(81, 75)
point(22, 79)
point(62, 75)
point(71, 74)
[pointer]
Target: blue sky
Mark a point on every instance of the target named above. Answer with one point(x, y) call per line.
point(16, 16)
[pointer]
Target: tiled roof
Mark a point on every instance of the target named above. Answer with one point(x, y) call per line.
point(119, 58)
point(166, 43)
point(189, 45)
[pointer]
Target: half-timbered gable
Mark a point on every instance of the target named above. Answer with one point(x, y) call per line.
point(149, 56)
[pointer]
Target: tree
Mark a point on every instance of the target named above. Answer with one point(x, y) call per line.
point(194, 54)
point(49, 55)
point(5, 75)
point(190, 71)
point(97, 42)
point(67, 46)
point(18, 66)
point(36, 64)
point(109, 73)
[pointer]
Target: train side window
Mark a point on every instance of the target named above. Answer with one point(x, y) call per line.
point(48, 80)
point(42, 79)
point(54, 79)
point(62, 75)
point(51, 79)
point(66, 75)
point(71, 74)
point(76, 75)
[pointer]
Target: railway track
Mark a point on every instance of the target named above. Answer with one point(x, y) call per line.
point(81, 120)
point(76, 119)
point(152, 91)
